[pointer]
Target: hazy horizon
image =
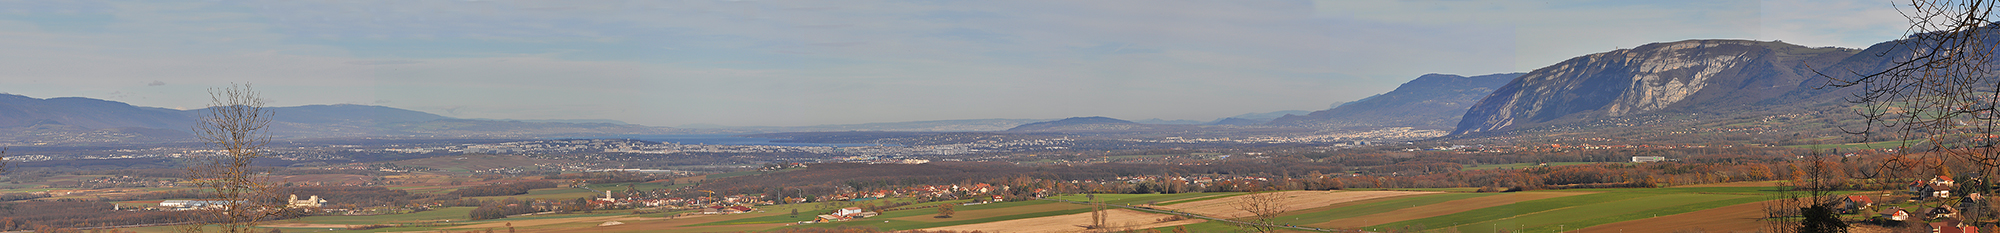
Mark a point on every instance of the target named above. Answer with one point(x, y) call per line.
point(755, 63)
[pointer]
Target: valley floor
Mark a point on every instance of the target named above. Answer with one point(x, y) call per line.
point(1714, 208)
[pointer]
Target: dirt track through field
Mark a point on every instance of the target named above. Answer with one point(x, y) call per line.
point(1442, 208)
point(1291, 201)
point(1735, 218)
point(1119, 219)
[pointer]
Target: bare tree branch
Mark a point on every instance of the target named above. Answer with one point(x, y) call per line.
point(236, 125)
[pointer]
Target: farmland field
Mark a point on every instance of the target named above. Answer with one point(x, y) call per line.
point(1406, 208)
point(1717, 207)
point(1571, 212)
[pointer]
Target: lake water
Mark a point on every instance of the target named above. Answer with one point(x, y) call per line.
point(726, 139)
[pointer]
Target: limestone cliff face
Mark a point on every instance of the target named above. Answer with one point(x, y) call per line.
point(1646, 79)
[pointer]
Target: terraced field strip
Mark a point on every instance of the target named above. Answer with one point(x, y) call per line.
point(1739, 217)
point(1219, 196)
point(1570, 214)
point(1509, 211)
point(1419, 208)
point(1668, 211)
point(1369, 207)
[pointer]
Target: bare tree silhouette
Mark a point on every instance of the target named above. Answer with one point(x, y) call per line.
point(4, 164)
point(236, 124)
point(1936, 93)
point(1264, 208)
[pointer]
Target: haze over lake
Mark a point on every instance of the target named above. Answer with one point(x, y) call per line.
point(728, 139)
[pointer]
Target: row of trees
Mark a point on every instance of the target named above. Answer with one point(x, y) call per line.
point(502, 189)
point(501, 208)
point(31, 215)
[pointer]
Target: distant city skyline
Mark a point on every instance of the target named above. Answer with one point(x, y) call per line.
point(794, 63)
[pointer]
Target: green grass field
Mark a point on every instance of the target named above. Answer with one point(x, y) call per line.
point(1575, 212)
point(1375, 207)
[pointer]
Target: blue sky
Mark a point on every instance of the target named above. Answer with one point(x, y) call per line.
point(670, 63)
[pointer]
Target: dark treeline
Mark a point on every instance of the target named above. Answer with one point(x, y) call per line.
point(500, 208)
point(31, 215)
point(502, 189)
point(21, 196)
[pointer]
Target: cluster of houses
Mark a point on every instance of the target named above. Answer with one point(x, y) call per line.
point(727, 209)
point(949, 191)
point(1942, 218)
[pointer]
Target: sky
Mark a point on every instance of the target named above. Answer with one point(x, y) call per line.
point(787, 63)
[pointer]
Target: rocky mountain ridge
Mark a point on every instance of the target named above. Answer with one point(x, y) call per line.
point(1692, 76)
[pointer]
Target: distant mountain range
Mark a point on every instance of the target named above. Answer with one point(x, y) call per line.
point(1673, 88)
point(73, 120)
point(1432, 101)
point(967, 125)
point(1096, 123)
